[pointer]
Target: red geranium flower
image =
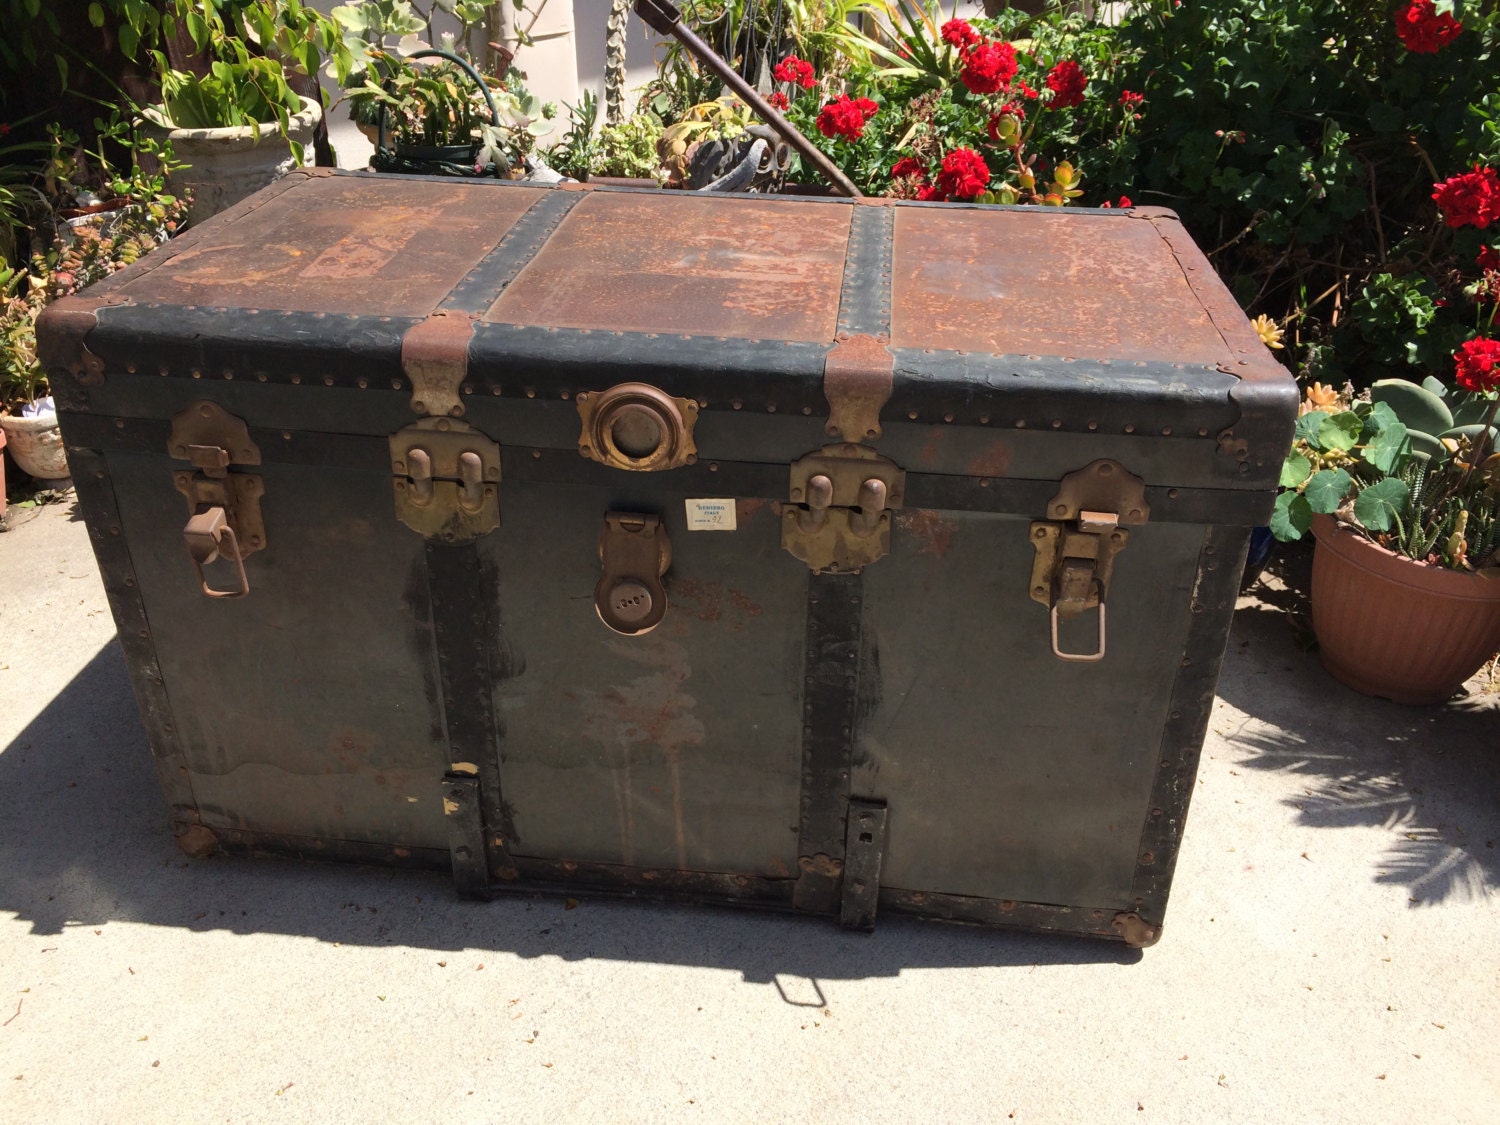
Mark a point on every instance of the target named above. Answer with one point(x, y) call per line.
point(797, 71)
point(846, 117)
point(1027, 91)
point(1488, 260)
point(1066, 80)
point(989, 67)
point(964, 175)
point(1424, 29)
point(777, 99)
point(1478, 363)
point(959, 34)
point(1129, 99)
point(908, 166)
point(1471, 199)
point(929, 193)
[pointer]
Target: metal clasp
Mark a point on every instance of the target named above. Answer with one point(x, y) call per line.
point(839, 517)
point(1075, 552)
point(635, 553)
point(224, 519)
point(446, 478)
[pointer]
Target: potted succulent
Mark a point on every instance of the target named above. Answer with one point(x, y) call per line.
point(445, 118)
point(235, 122)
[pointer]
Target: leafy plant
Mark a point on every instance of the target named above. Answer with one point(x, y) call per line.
point(1301, 141)
point(1375, 464)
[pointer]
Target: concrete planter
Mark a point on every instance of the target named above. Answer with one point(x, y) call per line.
point(226, 165)
point(1392, 627)
point(36, 446)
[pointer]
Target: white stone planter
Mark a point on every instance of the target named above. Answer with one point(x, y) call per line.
point(226, 165)
point(36, 445)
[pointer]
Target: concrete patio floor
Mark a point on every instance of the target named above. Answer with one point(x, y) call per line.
point(1331, 952)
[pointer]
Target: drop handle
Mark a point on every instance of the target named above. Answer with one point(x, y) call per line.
point(209, 536)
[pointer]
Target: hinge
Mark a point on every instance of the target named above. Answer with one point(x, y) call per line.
point(224, 520)
point(839, 517)
point(435, 357)
point(447, 479)
point(858, 376)
point(1076, 549)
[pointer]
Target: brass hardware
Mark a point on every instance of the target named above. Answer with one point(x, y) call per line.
point(435, 357)
point(224, 519)
point(839, 518)
point(1075, 560)
point(857, 379)
point(209, 536)
point(447, 479)
point(635, 553)
point(635, 426)
point(1137, 932)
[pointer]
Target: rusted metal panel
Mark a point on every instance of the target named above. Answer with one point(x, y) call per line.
point(1042, 282)
point(337, 245)
point(620, 262)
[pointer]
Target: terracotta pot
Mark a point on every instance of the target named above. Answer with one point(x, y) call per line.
point(1389, 626)
point(36, 446)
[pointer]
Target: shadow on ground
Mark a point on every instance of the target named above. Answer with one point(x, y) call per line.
point(1430, 775)
point(84, 841)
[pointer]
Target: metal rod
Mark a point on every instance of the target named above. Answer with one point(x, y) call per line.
point(663, 16)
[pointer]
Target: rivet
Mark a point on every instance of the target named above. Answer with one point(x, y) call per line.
point(807, 410)
point(737, 404)
point(1020, 423)
point(1129, 428)
point(948, 417)
point(296, 380)
point(395, 384)
point(228, 374)
point(286, 435)
point(984, 419)
point(1171, 494)
point(130, 367)
point(119, 423)
point(536, 454)
point(770, 408)
point(467, 388)
point(530, 392)
point(197, 374)
point(1166, 431)
point(1057, 423)
point(362, 383)
point(328, 380)
point(1093, 425)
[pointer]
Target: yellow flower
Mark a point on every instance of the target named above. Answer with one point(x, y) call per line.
point(1267, 330)
point(1321, 397)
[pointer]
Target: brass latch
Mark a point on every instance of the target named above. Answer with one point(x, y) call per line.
point(224, 520)
point(1076, 549)
point(447, 479)
point(635, 554)
point(839, 518)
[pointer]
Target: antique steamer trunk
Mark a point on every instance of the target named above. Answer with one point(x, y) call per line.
point(808, 554)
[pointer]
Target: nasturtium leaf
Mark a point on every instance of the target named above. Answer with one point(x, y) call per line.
point(1377, 417)
point(1340, 431)
point(1291, 517)
point(1378, 506)
point(1295, 469)
point(1385, 450)
point(1326, 490)
point(1307, 425)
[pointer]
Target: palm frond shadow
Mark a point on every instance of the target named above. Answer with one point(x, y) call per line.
point(1429, 776)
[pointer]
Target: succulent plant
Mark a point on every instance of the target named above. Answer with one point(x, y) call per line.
point(1412, 467)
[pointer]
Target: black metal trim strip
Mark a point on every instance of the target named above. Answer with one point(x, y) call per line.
point(251, 345)
point(464, 811)
point(1215, 592)
point(1083, 921)
point(96, 497)
point(748, 480)
point(1062, 393)
point(721, 372)
point(483, 285)
point(465, 632)
point(829, 700)
point(865, 298)
point(864, 851)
